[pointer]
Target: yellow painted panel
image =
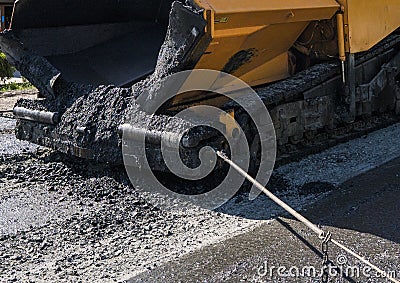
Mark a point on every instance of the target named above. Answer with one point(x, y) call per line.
point(269, 43)
point(245, 6)
point(274, 70)
point(369, 22)
point(238, 14)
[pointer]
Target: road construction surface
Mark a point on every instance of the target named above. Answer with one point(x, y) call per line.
point(63, 220)
point(363, 214)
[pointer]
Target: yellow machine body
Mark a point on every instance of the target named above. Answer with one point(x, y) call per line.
point(251, 39)
point(368, 22)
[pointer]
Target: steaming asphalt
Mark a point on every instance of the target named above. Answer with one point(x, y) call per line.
point(67, 222)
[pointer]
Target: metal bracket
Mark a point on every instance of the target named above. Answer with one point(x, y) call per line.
point(365, 93)
point(351, 87)
point(289, 121)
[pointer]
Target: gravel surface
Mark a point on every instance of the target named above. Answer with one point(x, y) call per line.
point(10, 145)
point(345, 161)
point(75, 222)
point(7, 124)
point(69, 221)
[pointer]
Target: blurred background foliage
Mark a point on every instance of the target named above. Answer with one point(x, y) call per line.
point(6, 69)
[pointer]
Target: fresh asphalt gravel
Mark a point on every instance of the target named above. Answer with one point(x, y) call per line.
point(68, 221)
